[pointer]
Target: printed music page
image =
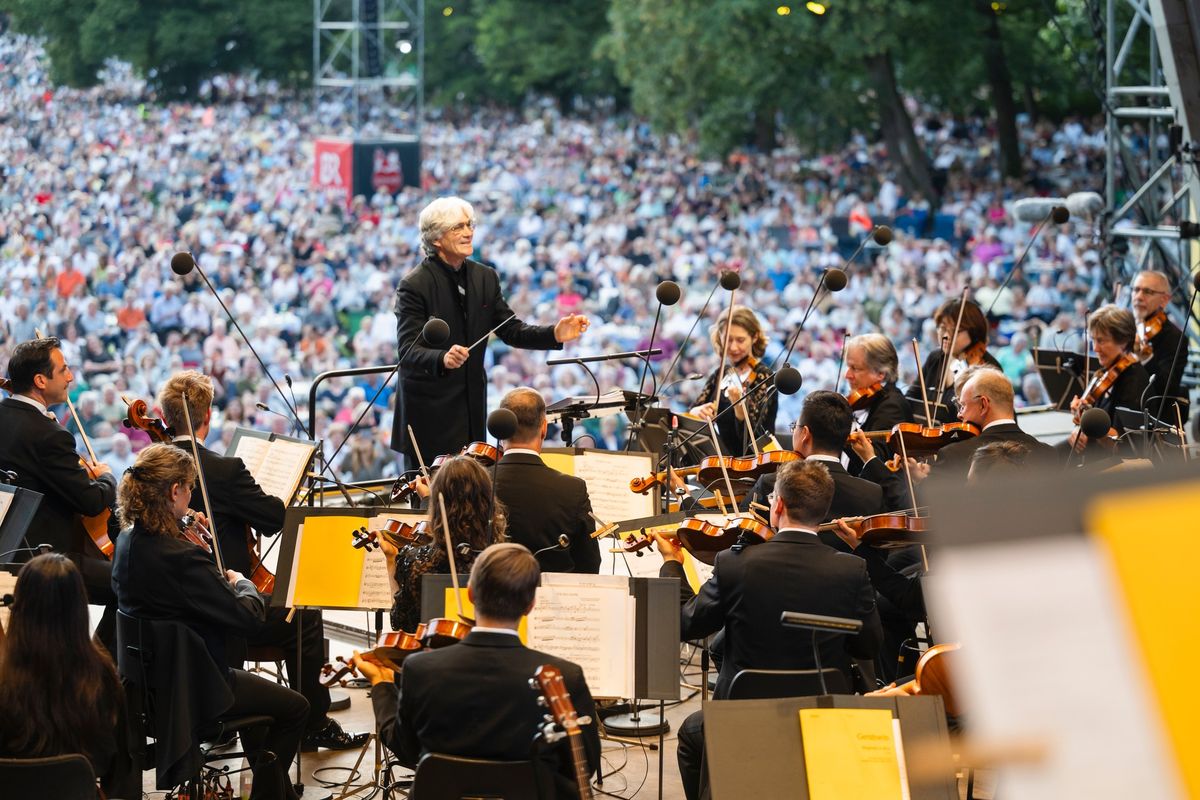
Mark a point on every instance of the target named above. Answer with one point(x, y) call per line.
point(6, 501)
point(375, 590)
point(607, 476)
point(277, 465)
point(590, 620)
point(1049, 662)
point(851, 754)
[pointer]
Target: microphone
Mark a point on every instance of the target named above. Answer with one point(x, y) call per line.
point(1095, 423)
point(730, 280)
point(882, 235)
point(182, 263)
point(560, 544)
point(667, 294)
point(264, 407)
point(502, 424)
point(788, 380)
point(695, 376)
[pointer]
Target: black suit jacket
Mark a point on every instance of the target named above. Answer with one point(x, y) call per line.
point(852, 497)
point(161, 577)
point(1166, 380)
point(750, 588)
point(1126, 392)
point(932, 373)
point(955, 459)
point(888, 408)
point(543, 503)
point(42, 453)
point(473, 699)
point(237, 501)
point(447, 408)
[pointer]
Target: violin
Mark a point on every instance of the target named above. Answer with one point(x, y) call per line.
point(390, 651)
point(1102, 383)
point(484, 453)
point(860, 398)
point(1147, 329)
point(921, 440)
point(138, 417)
point(395, 532)
point(713, 468)
point(883, 530)
point(194, 531)
point(442, 632)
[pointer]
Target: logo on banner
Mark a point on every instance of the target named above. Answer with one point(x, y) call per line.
point(387, 173)
point(329, 169)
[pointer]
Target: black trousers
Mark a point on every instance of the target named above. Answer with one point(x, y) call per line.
point(308, 627)
point(273, 748)
point(97, 580)
point(693, 772)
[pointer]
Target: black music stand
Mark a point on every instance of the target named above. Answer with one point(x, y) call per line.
point(1062, 374)
point(17, 518)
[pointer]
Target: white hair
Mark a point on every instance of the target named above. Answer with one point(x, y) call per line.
point(436, 218)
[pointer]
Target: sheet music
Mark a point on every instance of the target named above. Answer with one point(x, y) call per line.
point(376, 589)
point(251, 450)
point(281, 469)
point(590, 620)
point(6, 501)
point(607, 476)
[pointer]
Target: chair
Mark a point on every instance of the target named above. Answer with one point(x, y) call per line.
point(68, 777)
point(176, 695)
point(443, 777)
point(759, 684)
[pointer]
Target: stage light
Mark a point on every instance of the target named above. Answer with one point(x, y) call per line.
point(815, 7)
point(783, 11)
point(404, 46)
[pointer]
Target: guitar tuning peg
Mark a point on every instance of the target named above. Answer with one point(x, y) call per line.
point(549, 720)
point(585, 720)
point(533, 684)
point(541, 701)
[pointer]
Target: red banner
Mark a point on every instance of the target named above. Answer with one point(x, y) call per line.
point(333, 166)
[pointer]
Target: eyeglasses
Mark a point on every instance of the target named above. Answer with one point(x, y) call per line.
point(462, 226)
point(959, 403)
point(793, 425)
point(1144, 290)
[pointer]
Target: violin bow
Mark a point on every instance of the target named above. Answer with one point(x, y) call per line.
point(191, 431)
point(712, 429)
point(921, 381)
point(724, 350)
point(911, 491)
point(450, 555)
point(746, 408)
point(949, 354)
point(412, 437)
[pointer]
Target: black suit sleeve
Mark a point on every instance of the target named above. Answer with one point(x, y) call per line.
point(412, 311)
point(585, 551)
point(1164, 346)
point(398, 737)
point(902, 591)
point(866, 643)
point(60, 468)
point(703, 614)
point(206, 595)
point(894, 485)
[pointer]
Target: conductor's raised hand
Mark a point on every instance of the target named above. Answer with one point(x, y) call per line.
point(570, 327)
point(456, 356)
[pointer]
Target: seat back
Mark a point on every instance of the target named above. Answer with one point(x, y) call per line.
point(68, 777)
point(444, 777)
point(759, 684)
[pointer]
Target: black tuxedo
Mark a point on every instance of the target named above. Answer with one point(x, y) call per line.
point(42, 453)
point(473, 699)
point(750, 588)
point(237, 501)
point(542, 503)
point(1126, 392)
point(955, 459)
point(1166, 380)
point(887, 409)
point(447, 408)
point(852, 497)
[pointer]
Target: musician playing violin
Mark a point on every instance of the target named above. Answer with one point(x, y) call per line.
point(1158, 339)
point(467, 488)
point(239, 504)
point(472, 699)
point(42, 454)
point(747, 344)
point(968, 349)
point(871, 361)
point(751, 587)
point(1112, 331)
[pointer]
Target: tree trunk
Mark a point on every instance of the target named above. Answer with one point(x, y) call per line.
point(1000, 81)
point(903, 147)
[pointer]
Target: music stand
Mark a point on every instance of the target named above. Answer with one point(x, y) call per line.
point(1061, 372)
point(21, 504)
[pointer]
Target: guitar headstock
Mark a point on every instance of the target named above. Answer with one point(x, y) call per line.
point(549, 679)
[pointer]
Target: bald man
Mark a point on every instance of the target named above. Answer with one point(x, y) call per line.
point(985, 399)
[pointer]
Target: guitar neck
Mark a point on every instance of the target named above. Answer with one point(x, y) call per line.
point(579, 760)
